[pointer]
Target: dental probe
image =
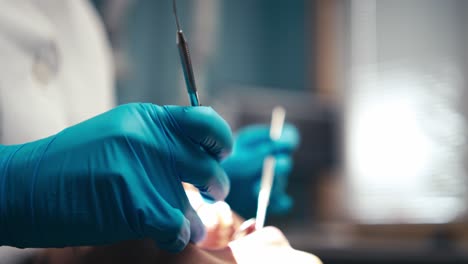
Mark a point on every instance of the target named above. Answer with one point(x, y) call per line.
point(186, 61)
point(268, 172)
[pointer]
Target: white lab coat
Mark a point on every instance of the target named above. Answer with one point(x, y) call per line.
point(55, 67)
point(55, 71)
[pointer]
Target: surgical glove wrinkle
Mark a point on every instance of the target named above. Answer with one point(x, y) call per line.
point(114, 177)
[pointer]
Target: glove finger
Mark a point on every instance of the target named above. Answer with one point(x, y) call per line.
point(208, 176)
point(197, 228)
point(284, 146)
point(288, 141)
point(260, 134)
point(203, 126)
point(252, 162)
point(166, 225)
point(280, 204)
point(248, 161)
point(180, 200)
point(280, 201)
point(253, 134)
point(283, 167)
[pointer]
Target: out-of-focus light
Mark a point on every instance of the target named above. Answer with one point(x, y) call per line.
point(403, 153)
point(387, 144)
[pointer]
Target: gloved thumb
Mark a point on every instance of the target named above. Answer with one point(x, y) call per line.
point(205, 127)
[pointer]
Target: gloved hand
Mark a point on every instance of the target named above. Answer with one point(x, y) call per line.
point(114, 177)
point(244, 168)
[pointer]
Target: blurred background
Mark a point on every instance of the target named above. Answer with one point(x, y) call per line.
point(376, 88)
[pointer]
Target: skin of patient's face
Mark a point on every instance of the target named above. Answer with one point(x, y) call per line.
point(129, 252)
point(268, 245)
point(265, 246)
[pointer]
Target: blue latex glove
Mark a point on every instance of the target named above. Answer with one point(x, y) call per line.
point(114, 177)
point(244, 168)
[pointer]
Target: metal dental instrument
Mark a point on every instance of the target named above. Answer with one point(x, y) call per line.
point(268, 172)
point(186, 61)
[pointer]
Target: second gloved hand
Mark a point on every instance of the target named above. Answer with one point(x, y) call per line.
point(244, 168)
point(114, 177)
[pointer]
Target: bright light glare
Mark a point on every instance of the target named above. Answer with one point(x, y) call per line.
point(387, 143)
point(404, 153)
